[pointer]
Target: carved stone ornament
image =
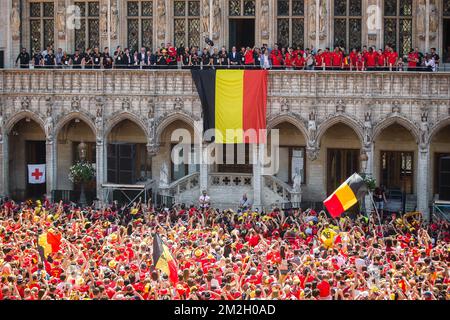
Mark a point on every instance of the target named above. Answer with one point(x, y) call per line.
point(217, 17)
point(152, 149)
point(264, 19)
point(396, 107)
point(25, 104)
point(178, 104)
point(75, 104)
point(285, 105)
point(312, 153)
point(126, 104)
point(340, 107)
point(15, 20)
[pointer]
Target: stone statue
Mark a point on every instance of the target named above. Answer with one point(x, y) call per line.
point(205, 16)
point(265, 19)
point(421, 19)
point(312, 129)
point(164, 175)
point(15, 20)
point(161, 10)
point(48, 127)
point(367, 129)
point(103, 23)
point(217, 14)
point(312, 20)
point(434, 20)
point(1, 125)
point(423, 131)
point(61, 21)
point(114, 20)
point(297, 181)
point(322, 19)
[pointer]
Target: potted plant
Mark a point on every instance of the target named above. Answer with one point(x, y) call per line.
point(82, 172)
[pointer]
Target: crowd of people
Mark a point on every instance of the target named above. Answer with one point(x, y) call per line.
point(106, 254)
point(168, 56)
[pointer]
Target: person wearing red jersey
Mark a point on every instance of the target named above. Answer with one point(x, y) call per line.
point(289, 59)
point(337, 58)
point(249, 57)
point(327, 58)
point(392, 58)
point(413, 60)
point(371, 59)
point(276, 58)
point(299, 62)
point(319, 59)
point(380, 59)
point(352, 58)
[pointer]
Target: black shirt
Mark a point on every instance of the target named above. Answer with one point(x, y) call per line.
point(96, 58)
point(24, 58)
point(76, 59)
point(49, 59)
point(37, 59)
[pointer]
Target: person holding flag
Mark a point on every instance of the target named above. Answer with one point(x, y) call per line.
point(163, 259)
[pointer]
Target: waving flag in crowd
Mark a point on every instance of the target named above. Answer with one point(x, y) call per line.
point(163, 260)
point(48, 243)
point(346, 195)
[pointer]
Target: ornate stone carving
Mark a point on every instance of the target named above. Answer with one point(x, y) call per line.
point(114, 20)
point(48, 124)
point(264, 19)
point(421, 19)
point(75, 104)
point(312, 153)
point(434, 20)
point(161, 18)
point(285, 105)
point(205, 16)
point(151, 109)
point(2, 124)
point(424, 132)
point(312, 20)
point(312, 129)
point(396, 107)
point(25, 103)
point(367, 129)
point(217, 19)
point(15, 20)
point(60, 22)
point(178, 104)
point(322, 19)
point(103, 19)
point(126, 104)
point(340, 107)
point(99, 122)
point(152, 149)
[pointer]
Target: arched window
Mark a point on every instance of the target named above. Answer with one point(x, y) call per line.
point(290, 23)
point(139, 25)
point(88, 36)
point(446, 31)
point(347, 23)
point(398, 25)
point(42, 24)
point(186, 23)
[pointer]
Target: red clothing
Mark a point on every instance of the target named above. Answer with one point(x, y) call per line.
point(392, 58)
point(412, 57)
point(276, 58)
point(288, 60)
point(380, 59)
point(337, 59)
point(324, 288)
point(249, 58)
point(327, 59)
point(371, 60)
point(299, 61)
point(353, 58)
point(319, 60)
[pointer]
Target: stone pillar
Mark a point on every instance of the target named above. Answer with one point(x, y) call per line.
point(203, 163)
point(4, 163)
point(257, 156)
point(423, 172)
point(369, 172)
point(50, 156)
point(100, 168)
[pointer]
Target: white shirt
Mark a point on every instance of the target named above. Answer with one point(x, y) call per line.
point(204, 201)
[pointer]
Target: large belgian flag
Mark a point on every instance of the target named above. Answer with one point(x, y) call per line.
point(163, 260)
point(234, 103)
point(346, 195)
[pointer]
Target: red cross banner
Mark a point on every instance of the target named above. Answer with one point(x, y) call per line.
point(36, 173)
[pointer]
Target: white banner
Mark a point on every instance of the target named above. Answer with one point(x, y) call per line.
point(36, 173)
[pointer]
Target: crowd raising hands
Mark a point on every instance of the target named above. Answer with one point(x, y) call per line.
point(106, 254)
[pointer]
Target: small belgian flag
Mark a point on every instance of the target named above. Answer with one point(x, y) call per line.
point(346, 195)
point(163, 260)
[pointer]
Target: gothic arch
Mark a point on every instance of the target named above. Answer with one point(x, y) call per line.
point(116, 119)
point(345, 119)
point(401, 120)
point(296, 122)
point(22, 115)
point(166, 121)
point(75, 115)
point(438, 126)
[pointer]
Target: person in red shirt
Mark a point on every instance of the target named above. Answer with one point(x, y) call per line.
point(299, 62)
point(319, 59)
point(327, 58)
point(371, 59)
point(337, 58)
point(392, 58)
point(324, 288)
point(276, 58)
point(249, 57)
point(413, 59)
point(289, 59)
point(380, 60)
point(353, 57)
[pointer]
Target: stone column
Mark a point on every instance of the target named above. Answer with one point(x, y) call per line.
point(4, 163)
point(50, 156)
point(369, 172)
point(423, 172)
point(203, 150)
point(257, 156)
point(100, 168)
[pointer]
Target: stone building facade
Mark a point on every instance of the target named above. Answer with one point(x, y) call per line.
point(68, 24)
point(326, 120)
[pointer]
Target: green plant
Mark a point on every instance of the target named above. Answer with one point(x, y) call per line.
point(81, 172)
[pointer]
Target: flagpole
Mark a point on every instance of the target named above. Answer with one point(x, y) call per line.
point(376, 210)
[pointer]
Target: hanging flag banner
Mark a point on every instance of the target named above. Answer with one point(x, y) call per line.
point(36, 173)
